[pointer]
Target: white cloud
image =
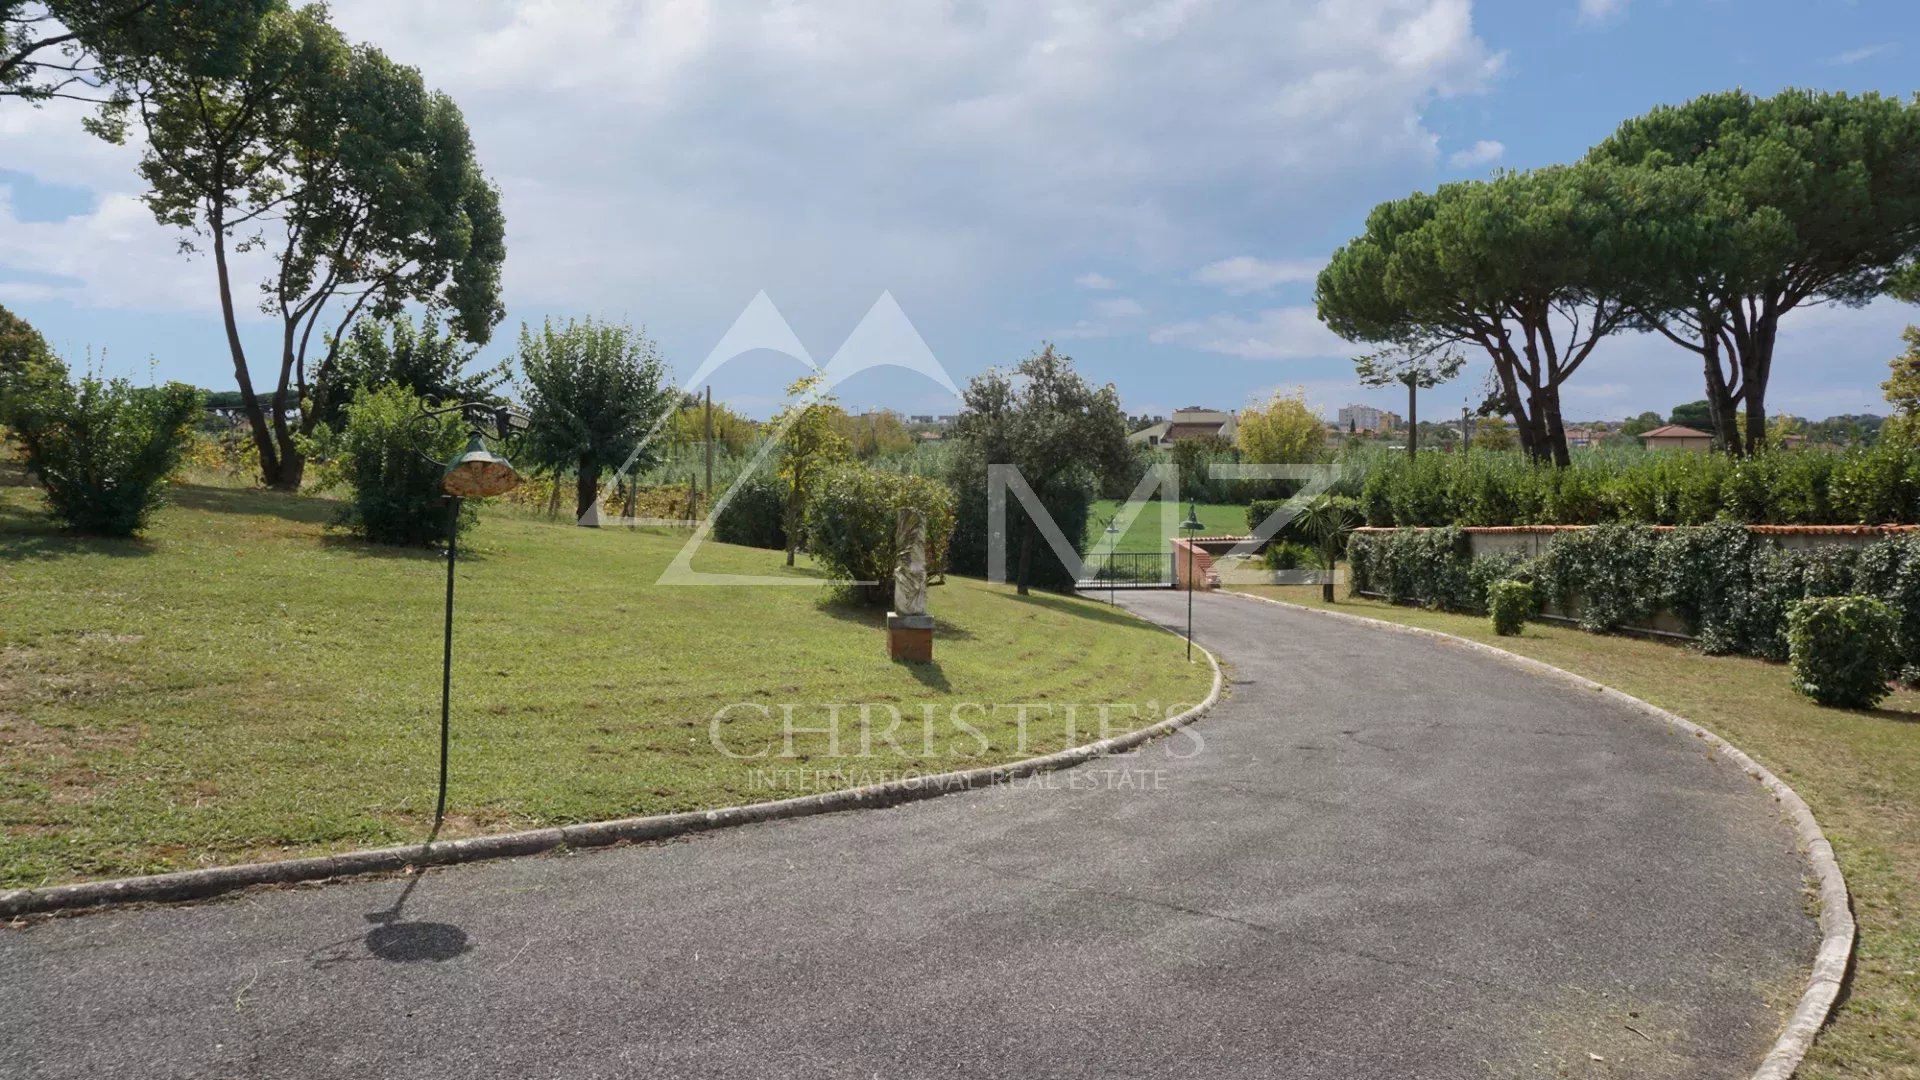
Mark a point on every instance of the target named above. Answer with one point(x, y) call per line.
point(1290, 333)
point(1095, 281)
point(1244, 274)
point(113, 256)
point(1119, 308)
point(667, 160)
point(1868, 52)
point(1598, 11)
point(1484, 152)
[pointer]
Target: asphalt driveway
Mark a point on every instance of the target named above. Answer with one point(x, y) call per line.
point(1382, 856)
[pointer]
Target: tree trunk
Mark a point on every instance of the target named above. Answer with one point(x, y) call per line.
point(1413, 423)
point(1721, 402)
point(586, 487)
point(1556, 428)
point(1755, 367)
point(1025, 573)
point(249, 402)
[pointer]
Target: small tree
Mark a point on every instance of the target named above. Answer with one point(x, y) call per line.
point(387, 458)
point(809, 444)
point(104, 449)
point(1328, 521)
point(1492, 433)
point(1046, 420)
point(1417, 368)
point(1284, 430)
point(596, 393)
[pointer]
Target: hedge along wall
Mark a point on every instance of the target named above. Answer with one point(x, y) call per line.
point(1728, 586)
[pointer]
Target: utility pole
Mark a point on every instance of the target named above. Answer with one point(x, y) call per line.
point(1413, 415)
point(1466, 429)
point(709, 443)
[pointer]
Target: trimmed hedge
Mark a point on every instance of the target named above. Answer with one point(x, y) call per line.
point(1842, 649)
point(1865, 485)
point(1733, 590)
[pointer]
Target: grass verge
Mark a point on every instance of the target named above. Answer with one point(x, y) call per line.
point(1145, 534)
point(1859, 771)
point(242, 684)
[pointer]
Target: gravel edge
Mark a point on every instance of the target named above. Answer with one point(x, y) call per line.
point(1836, 913)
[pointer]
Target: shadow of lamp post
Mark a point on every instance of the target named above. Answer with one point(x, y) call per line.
point(1113, 573)
point(476, 474)
point(1191, 527)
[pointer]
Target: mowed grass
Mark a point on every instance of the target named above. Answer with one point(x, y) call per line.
point(1146, 534)
point(243, 685)
point(1859, 771)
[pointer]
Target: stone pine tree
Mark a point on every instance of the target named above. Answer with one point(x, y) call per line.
point(1819, 201)
point(356, 185)
point(597, 396)
point(1415, 367)
point(1048, 421)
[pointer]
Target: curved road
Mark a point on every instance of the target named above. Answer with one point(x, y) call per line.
point(1392, 857)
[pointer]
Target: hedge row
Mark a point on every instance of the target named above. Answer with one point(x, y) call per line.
point(1731, 588)
point(1870, 485)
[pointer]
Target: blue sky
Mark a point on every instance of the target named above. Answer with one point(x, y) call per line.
point(1149, 184)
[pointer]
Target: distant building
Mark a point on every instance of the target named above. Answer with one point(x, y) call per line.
point(1676, 437)
point(1365, 419)
point(1585, 435)
point(1193, 422)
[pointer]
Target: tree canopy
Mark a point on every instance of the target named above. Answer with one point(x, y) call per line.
point(358, 182)
point(72, 48)
point(1809, 197)
point(596, 393)
point(1533, 268)
point(1281, 430)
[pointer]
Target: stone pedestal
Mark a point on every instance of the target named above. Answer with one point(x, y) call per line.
point(910, 637)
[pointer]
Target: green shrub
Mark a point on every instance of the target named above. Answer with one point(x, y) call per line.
point(1843, 649)
point(1604, 574)
point(103, 449)
point(1890, 570)
point(851, 523)
point(1511, 604)
point(755, 514)
point(395, 491)
point(1291, 555)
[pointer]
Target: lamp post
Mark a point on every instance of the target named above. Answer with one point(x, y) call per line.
point(1190, 527)
point(1113, 533)
point(477, 473)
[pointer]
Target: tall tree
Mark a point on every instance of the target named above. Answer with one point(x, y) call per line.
point(595, 393)
point(69, 48)
point(339, 165)
point(810, 441)
point(1048, 421)
point(1415, 368)
point(1821, 199)
point(1535, 269)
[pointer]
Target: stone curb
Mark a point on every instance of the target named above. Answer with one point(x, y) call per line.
point(200, 884)
point(1836, 912)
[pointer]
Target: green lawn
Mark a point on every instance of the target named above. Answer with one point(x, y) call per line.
point(1145, 534)
point(243, 685)
point(1859, 771)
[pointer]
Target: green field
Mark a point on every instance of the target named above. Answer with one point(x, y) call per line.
point(1859, 771)
point(1145, 533)
point(244, 684)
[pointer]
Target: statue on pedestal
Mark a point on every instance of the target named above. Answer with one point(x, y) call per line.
point(909, 627)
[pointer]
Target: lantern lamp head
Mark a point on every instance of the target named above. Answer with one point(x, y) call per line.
point(478, 473)
point(1192, 524)
point(1112, 529)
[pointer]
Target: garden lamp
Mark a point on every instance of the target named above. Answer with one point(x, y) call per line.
point(477, 473)
point(1190, 526)
point(1113, 574)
